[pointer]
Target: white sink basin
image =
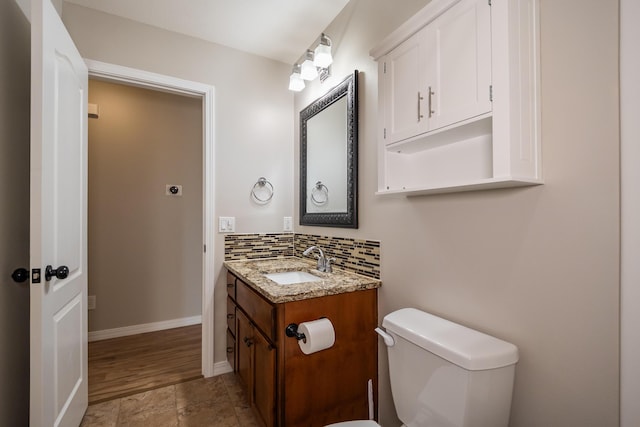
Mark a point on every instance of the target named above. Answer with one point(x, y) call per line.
point(291, 277)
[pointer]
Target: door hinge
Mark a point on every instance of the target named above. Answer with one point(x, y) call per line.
point(490, 93)
point(384, 133)
point(384, 68)
point(489, 1)
point(205, 249)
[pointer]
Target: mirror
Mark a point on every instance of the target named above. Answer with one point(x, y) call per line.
point(329, 158)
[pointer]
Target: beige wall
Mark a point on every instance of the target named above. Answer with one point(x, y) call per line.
point(253, 118)
point(14, 213)
point(145, 248)
point(630, 212)
point(535, 266)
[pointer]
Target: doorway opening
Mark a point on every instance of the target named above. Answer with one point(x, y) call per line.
point(165, 250)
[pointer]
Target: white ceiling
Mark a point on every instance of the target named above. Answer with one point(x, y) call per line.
point(277, 29)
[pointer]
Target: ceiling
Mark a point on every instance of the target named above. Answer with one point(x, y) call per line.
point(277, 29)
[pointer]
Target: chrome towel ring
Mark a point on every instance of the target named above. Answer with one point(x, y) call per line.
point(264, 188)
point(320, 194)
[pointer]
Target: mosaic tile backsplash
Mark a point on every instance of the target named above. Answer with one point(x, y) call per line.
point(358, 256)
point(257, 246)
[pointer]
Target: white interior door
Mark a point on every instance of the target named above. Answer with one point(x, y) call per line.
point(58, 383)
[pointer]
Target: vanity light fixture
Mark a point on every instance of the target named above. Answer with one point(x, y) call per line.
point(314, 62)
point(308, 70)
point(296, 83)
point(322, 55)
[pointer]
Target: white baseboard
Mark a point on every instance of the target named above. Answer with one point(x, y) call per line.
point(220, 368)
point(106, 334)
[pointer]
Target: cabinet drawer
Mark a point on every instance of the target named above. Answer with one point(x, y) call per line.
point(231, 285)
point(231, 350)
point(231, 316)
point(259, 310)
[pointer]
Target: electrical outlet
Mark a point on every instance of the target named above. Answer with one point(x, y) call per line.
point(91, 302)
point(227, 224)
point(287, 224)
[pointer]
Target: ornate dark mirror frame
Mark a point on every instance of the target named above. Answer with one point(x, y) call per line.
point(347, 88)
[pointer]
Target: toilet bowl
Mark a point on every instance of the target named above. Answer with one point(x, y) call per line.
point(444, 374)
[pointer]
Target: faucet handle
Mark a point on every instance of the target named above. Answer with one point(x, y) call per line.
point(327, 265)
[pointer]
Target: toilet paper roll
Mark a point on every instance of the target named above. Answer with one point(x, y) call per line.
point(319, 335)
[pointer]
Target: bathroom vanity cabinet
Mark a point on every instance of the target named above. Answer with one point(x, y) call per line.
point(284, 386)
point(459, 98)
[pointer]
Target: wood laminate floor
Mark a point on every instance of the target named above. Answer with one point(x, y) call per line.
point(125, 366)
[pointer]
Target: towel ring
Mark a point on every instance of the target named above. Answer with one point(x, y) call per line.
point(260, 184)
point(320, 194)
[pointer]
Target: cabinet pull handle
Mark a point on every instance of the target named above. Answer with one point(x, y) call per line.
point(248, 341)
point(230, 285)
point(431, 93)
point(229, 349)
point(420, 98)
point(230, 316)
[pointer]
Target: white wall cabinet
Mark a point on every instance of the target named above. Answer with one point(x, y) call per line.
point(458, 98)
point(441, 75)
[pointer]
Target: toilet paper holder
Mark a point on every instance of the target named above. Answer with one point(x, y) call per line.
point(292, 331)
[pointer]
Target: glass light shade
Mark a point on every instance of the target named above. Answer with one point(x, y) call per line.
point(296, 83)
point(322, 57)
point(308, 70)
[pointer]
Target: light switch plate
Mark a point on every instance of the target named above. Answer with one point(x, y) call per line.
point(287, 224)
point(227, 224)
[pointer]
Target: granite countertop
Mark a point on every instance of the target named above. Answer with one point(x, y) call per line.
point(339, 281)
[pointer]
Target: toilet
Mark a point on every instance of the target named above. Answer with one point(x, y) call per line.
point(444, 374)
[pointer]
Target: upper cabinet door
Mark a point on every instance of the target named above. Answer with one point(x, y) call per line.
point(457, 55)
point(401, 71)
point(441, 75)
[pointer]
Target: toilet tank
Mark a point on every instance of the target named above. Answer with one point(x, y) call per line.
point(447, 375)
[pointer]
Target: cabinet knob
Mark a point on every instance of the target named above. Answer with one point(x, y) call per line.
point(248, 341)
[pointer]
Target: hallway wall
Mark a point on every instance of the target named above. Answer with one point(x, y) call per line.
point(145, 248)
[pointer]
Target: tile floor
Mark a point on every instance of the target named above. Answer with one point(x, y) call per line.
point(215, 402)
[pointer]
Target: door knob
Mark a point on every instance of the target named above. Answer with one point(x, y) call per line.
point(61, 272)
point(19, 275)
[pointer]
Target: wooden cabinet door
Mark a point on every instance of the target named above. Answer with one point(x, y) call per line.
point(231, 350)
point(244, 352)
point(404, 116)
point(264, 379)
point(457, 61)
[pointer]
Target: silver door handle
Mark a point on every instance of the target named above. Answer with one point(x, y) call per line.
point(431, 93)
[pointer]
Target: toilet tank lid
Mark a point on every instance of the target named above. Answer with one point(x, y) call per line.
point(465, 347)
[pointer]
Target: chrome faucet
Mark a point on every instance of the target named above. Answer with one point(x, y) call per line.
point(324, 264)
